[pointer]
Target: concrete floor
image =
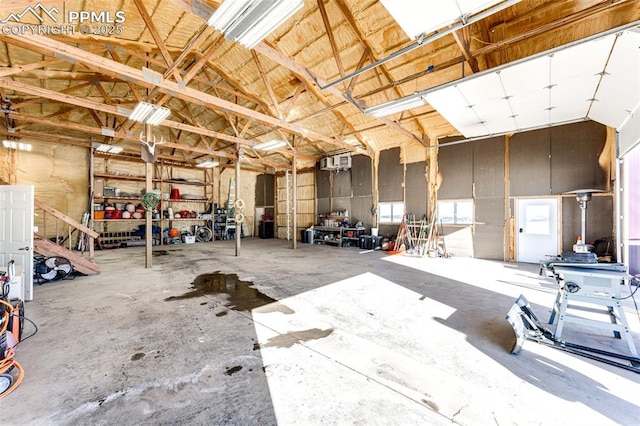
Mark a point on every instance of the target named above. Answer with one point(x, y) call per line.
point(354, 338)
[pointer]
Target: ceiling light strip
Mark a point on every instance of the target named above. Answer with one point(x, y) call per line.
point(147, 113)
point(396, 106)
point(268, 145)
point(248, 22)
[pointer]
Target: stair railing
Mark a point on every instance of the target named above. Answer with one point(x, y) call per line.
point(72, 225)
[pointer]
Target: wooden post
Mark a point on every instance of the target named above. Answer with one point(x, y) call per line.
point(148, 213)
point(434, 183)
point(508, 242)
point(376, 195)
point(238, 233)
point(294, 209)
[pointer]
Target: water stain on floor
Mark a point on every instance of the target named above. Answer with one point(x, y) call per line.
point(292, 338)
point(241, 296)
point(233, 370)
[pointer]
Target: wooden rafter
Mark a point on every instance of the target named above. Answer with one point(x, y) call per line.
point(265, 80)
point(191, 95)
point(312, 80)
point(195, 68)
point(332, 40)
point(462, 39)
point(201, 33)
point(115, 110)
point(366, 54)
point(157, 38)
point(38, 99)
point(352, 22)
point(299, 90)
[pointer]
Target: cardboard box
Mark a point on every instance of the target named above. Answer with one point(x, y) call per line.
point(98, 190)
point(188, 239)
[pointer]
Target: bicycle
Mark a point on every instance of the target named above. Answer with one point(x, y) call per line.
point(50, 268)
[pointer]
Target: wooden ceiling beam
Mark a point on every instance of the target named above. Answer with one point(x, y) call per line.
point(126, 73)
point(265, 80)
point(462, 40)
point(354, 27)
point(194, 40)
point(132, 86)
point(124, 136)
point(49, 46)
point(366, 54)
point(193, 71)
point(151, 27)
point(332, 40)
point(39, 99)
point(589, 12)
point(313, 81)
point(115, 110)
point(299, 90)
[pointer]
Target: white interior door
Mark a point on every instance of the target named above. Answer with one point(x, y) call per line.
point(536, 229)
point(16, 230)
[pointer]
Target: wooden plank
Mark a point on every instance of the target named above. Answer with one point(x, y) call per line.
point(462, 39)
point(49, 46)
point(59, 215)
point(332, 40)
point(265, 80)
point(80, 264)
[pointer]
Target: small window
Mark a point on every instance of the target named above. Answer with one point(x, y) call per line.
point(390, 212)
point(455, 212)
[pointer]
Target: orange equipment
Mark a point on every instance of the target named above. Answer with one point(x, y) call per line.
point(11, 373)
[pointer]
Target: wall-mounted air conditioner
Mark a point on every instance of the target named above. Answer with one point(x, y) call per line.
point(326, 163)
point(342, 161)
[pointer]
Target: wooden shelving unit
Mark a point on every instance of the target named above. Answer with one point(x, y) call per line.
point(127, 174)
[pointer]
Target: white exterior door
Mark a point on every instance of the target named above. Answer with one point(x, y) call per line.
point(16, 230)
point(536, 229)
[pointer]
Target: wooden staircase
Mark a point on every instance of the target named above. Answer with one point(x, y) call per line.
point(45, 247)
point(79, 262)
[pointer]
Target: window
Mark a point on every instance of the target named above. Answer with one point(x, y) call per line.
point(390, 212)
point(455, 212)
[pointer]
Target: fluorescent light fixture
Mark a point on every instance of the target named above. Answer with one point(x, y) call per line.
point(269, 145)
point(208, 164)
point(149, 114)
point(393, 107)
point(249, 21)
point(20, 146)
point(109, 149)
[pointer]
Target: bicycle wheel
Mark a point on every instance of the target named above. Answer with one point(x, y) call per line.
point(55, 268)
